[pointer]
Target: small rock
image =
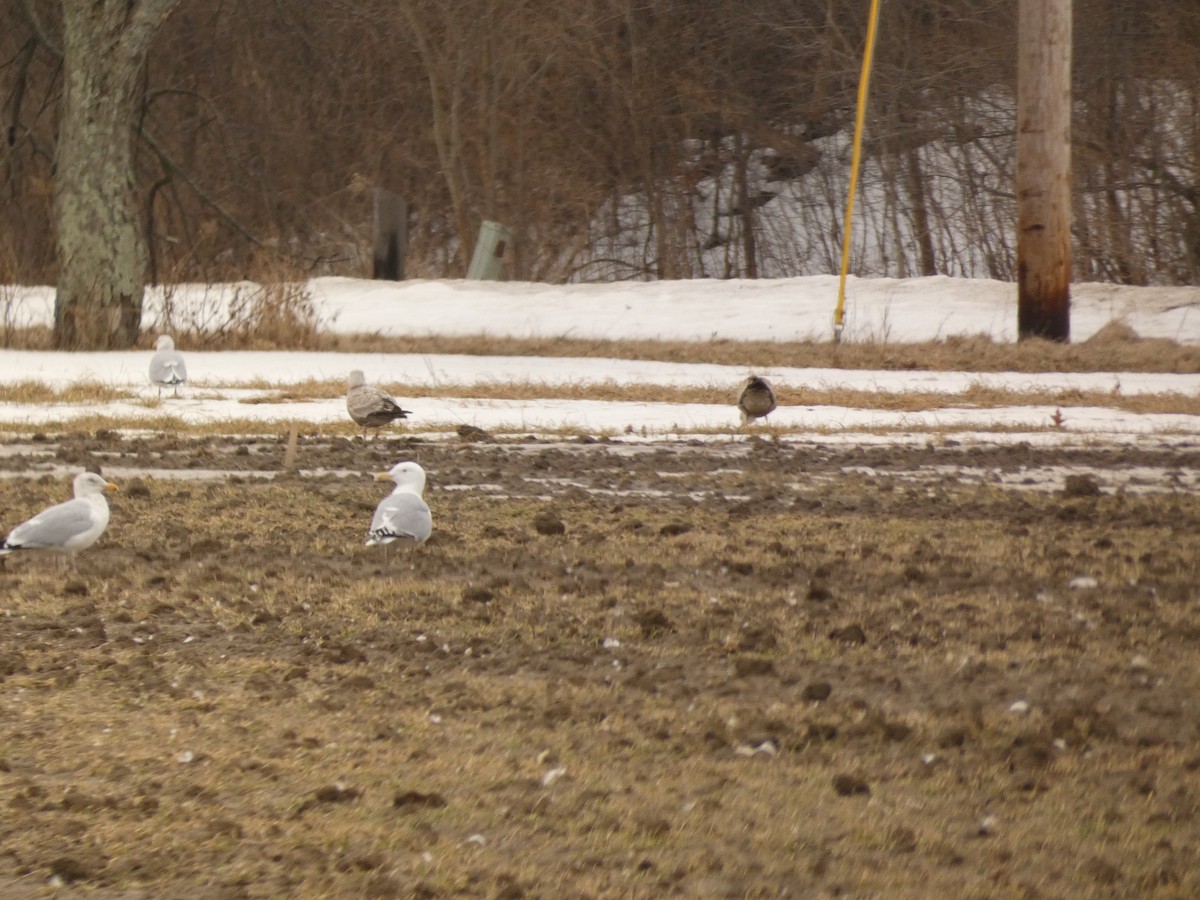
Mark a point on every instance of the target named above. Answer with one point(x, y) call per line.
point(418, 800)
point(955, 736)
point(766, 748)
point(850, 634)
point(11, 662)
point(653, 622)
point(1083, 583)
point(749, 666)
point(816, 692)
point(1081, 486)
point(850, 785)
point(1103, 871)
point(342, 654)
point(902, 840)
point(548, 524)
point(1020, 707)
point(987, 826)
point(135, 487)
point(70, 869)
point(477, 594)
point(818, 592)
point(674, 529)
point(472, 434)
point(336, 793)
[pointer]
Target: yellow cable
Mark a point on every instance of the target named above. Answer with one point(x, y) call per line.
point(860, 115)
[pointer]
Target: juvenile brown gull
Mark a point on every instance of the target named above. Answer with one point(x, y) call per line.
point(757, 399)
point(368, 405)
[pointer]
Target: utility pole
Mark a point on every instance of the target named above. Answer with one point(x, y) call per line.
point(1044, 169)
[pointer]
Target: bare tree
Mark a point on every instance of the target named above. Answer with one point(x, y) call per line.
point(618, 138)
point(101, 247)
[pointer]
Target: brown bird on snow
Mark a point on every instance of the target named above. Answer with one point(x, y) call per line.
point(368, 405)
point(757, 399)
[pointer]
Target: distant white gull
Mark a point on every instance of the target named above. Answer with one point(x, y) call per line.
point(166, 365)
point(757, 399)
point(402, 516)
point(67, 527)
point(368, 405)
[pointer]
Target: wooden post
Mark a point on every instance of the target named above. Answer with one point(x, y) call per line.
point(391, 235)
point(1044, 169)
point(289, 453)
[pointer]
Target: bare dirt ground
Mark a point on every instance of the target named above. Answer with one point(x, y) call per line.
point(738, 669)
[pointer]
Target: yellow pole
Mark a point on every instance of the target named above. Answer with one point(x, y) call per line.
point(839, 315)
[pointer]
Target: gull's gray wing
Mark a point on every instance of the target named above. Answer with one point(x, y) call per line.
point(403, 517)
point(53, 528)
point(167, 367)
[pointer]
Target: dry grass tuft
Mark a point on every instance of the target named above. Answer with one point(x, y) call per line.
point(274, 315)
point(39, 393)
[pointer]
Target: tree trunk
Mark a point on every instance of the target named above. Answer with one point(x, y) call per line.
point(914, 180)
point(1044, 170)
point(101, 246)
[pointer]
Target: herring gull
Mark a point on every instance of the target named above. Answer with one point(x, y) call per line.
point(166, 365)
point(66, 527)
point(368, 405)
point(402, 516)
point(757, 399)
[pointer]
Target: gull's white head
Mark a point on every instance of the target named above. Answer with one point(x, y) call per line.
point(356, 379)
point(164, 342)
point(408, 476)
point(89, 484)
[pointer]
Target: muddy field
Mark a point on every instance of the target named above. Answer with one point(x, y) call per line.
point(739, 669)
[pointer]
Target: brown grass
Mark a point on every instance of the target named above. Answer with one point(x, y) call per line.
point(1101, 354)
point(37, 392)
point(978, 396)
point(287, 322)
point(274, 315)
point(236, 701)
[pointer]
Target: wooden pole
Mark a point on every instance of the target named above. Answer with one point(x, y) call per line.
point(1044, 169)
point(391, 235)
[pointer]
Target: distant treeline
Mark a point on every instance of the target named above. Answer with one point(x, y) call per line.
point(618, 138)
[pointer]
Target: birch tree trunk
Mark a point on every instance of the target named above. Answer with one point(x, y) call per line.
point(1044, 169)
point(101, 245)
